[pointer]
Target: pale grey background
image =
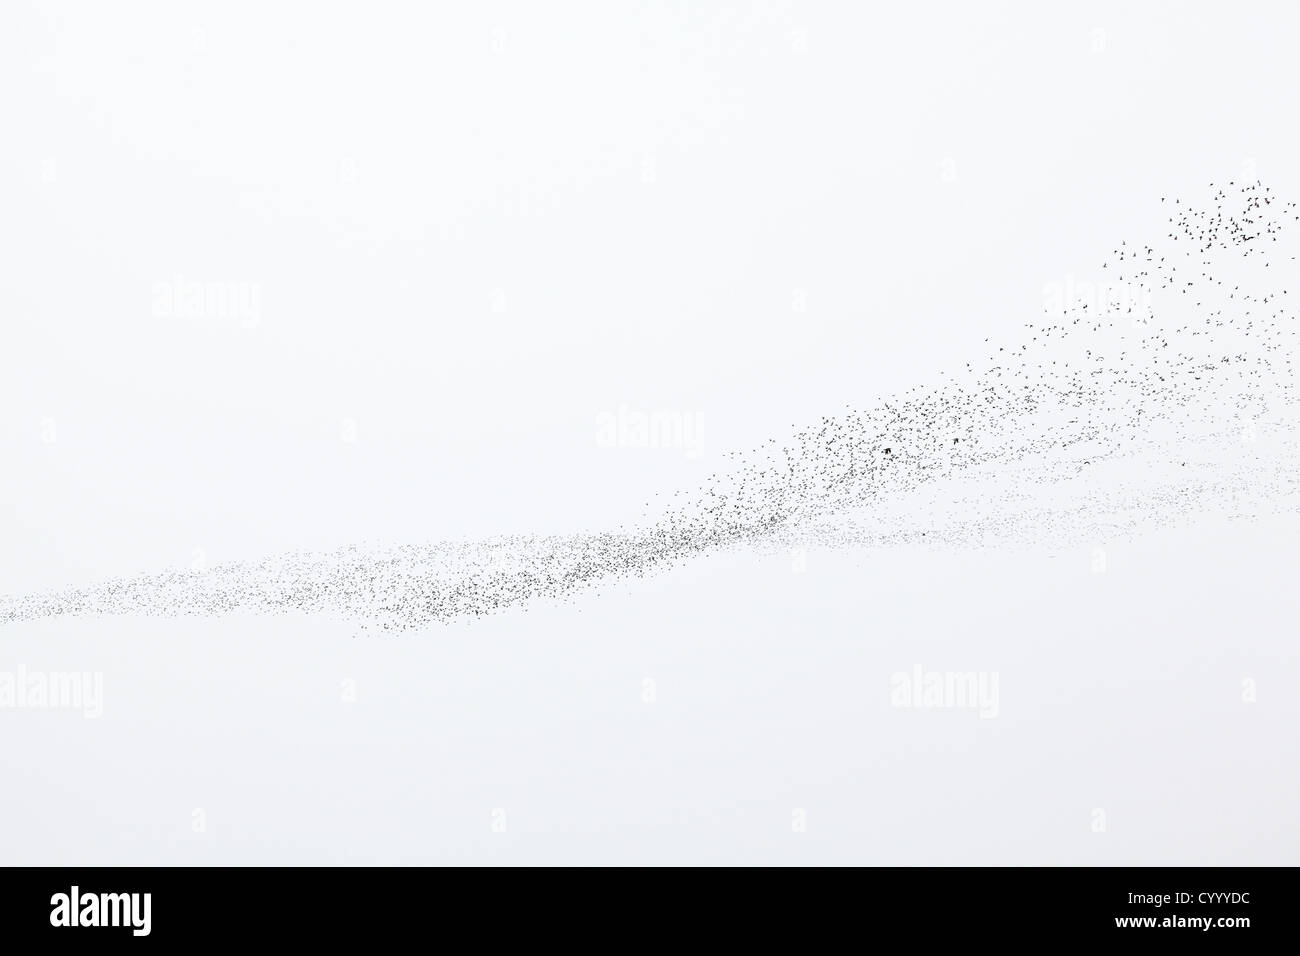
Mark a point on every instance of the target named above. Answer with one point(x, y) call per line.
point(474, 231)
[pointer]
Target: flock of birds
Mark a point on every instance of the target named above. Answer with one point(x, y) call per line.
point(1166, 389)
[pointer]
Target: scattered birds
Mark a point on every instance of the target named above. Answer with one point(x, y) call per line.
point(1013, 447)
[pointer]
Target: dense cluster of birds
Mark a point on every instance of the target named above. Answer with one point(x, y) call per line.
point(1165, 388)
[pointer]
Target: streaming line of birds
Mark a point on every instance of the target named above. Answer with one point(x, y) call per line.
point(1163, 390)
